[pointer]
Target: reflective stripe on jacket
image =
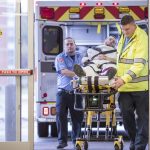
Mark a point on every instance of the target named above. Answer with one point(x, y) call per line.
point(132, 62)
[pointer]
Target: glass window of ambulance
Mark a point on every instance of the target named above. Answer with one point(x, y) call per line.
point(52, 40)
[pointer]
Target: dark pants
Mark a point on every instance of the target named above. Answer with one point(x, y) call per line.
point(135, 112)
point(65, 101)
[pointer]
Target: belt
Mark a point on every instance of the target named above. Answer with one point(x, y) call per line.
point(65, 91)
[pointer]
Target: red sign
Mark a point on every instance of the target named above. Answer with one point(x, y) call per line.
point(16, 72)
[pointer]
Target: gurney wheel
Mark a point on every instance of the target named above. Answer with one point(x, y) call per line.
point(118, 143)
point(85, 145)
point(81, 144)
point(117, 146)
point(77, 147)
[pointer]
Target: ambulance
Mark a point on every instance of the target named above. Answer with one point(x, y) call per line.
point(89, 22)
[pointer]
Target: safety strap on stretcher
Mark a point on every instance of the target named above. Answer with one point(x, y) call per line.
point(101, 52)
point(89, 81)
point(96, 84)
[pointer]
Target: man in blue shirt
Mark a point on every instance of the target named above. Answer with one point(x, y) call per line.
point(65, 98)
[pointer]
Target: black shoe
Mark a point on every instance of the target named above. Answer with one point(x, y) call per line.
point(62, 145)
point(132, 147)
point(79, 71)
point(111, 72)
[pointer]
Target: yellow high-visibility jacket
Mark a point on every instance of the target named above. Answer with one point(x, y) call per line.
point(132, 62)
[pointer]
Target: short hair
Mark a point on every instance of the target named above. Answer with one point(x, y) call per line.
point(69, 38)
point(127, 19)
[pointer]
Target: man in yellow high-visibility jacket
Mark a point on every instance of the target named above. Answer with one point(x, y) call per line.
point(132, 82)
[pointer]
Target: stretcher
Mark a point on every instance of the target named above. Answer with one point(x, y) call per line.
point(98, 98)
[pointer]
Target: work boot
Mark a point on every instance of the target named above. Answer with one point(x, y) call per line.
point(79, 71)
point(62, 145)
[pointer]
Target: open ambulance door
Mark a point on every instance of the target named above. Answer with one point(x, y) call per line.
point(49, 43)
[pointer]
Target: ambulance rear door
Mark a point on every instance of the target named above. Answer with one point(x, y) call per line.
point(48, 43)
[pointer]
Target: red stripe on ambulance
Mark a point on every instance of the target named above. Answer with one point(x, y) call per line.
point(84, 11)
point(138, 11)
point(60, 11)
point(113, 10)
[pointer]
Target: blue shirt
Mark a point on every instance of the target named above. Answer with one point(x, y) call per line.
point(64, 61)
point(125, 43)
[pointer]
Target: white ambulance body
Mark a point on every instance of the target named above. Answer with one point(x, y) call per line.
point(89, 23)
